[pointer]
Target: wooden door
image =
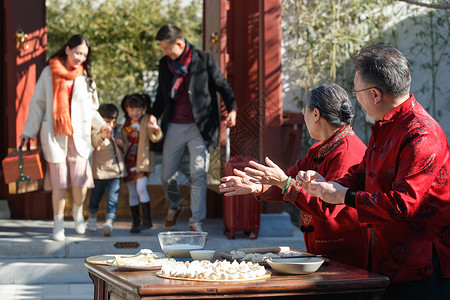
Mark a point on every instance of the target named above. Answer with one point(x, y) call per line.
point(23, 49)
point(25, 40)
point(251, 56)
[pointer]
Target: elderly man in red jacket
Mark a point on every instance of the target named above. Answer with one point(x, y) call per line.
point(400, 189)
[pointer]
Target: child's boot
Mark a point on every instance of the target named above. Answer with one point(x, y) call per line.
point(136, 220)
point(146, 216)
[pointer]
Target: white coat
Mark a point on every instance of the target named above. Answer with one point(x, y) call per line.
point(84, 115)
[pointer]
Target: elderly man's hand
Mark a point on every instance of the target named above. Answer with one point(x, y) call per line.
point(316, 185)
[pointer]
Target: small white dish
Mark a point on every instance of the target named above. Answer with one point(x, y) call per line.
point(202, 254)
point(303, 265)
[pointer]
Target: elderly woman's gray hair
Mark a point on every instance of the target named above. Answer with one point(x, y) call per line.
point(333, 104)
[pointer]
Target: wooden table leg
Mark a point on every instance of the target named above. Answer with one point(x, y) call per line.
point(99, 287)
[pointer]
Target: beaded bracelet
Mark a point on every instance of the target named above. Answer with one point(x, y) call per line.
point(287, 184)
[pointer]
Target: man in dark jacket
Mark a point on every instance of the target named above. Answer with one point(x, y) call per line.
point(186, 102)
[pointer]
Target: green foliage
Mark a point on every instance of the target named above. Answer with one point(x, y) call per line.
point(323, 35)
point(122, 36)
point(321, 38)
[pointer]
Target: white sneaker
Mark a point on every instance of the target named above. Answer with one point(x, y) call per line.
point(77, 212)
point(107, 228)
point(58, 228)
point(92, 223)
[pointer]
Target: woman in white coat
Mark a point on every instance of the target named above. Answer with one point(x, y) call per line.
point(64, 110)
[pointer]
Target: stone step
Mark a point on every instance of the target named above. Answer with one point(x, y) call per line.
point(75, 291)
point(43, 271)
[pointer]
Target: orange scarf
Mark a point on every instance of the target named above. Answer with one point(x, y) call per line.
point(62, 123)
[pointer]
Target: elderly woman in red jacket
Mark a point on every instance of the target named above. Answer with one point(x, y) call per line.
point(333, 230)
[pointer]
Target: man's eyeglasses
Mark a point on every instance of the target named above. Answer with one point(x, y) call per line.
point(303, 111)
point(354, 91)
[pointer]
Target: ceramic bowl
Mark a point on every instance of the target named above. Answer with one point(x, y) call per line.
point(177, 244)
point(304, 265)
point(202, 254)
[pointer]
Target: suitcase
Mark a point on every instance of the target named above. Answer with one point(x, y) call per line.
point(23, 170)
point(240, 213)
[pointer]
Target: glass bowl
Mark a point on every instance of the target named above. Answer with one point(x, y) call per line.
point(177, 244)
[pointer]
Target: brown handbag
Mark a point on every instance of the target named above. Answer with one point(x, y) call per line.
point(24, 170)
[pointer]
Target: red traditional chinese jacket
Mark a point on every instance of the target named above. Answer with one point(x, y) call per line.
point(328, 229)
point(404, 194)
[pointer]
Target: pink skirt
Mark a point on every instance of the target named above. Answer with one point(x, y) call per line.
point(75, 171)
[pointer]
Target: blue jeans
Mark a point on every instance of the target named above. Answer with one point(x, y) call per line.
point(112, 187)
point(177, 137)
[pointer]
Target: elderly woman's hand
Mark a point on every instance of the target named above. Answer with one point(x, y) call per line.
point(238, 185)
point(272, 174)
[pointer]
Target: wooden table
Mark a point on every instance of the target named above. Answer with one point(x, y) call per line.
point(332, 281)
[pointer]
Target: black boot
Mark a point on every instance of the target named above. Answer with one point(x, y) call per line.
point(136, 220)
point(146, 216)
